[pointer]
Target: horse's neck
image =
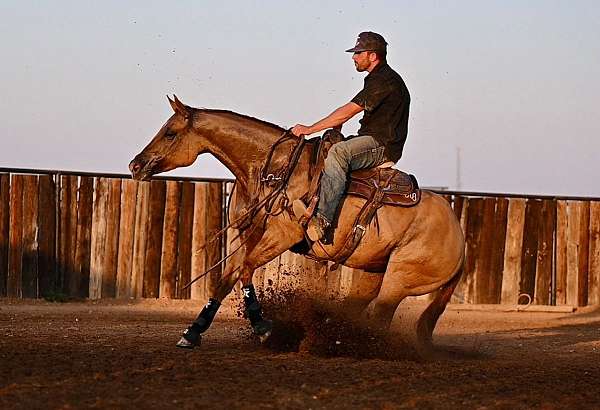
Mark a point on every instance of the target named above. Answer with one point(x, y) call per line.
point(241, 144)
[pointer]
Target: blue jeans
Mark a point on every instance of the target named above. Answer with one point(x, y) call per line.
point(346, 156)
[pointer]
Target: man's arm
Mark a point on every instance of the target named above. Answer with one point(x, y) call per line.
point(333, 120)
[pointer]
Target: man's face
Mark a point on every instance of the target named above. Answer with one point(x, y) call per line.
point(362, 60)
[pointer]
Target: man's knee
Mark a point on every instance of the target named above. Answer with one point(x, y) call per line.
point(339, 156)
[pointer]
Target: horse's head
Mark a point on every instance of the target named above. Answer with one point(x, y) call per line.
point(171, 147)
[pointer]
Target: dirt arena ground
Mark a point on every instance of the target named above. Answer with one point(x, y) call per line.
point(122, 355)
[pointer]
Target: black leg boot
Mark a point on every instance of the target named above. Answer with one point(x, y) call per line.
point(193, 334)
point(262, 328)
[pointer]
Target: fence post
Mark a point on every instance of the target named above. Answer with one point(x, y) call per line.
point(47, 210)
point(4, 235)
point(15, 235)
point(129, 192)
point(30, 239)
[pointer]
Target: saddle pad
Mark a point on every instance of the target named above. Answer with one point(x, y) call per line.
point(399, 188)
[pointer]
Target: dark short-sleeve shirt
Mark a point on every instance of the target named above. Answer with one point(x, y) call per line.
point(385, 100)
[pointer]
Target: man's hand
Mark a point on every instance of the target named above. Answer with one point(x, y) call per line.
point(300, 130)
point(333, 120)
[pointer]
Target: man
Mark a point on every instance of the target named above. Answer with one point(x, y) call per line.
point(385, 101)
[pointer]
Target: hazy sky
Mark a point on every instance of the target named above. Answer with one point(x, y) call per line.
point(512, 85)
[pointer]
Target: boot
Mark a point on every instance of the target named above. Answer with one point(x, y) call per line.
point(317, 226)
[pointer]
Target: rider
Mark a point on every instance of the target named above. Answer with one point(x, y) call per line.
point(384, 126)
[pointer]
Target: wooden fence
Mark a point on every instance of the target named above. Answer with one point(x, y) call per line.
point(97, 236)
point(543, 248)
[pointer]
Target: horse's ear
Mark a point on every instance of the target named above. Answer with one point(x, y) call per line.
point(178, 106)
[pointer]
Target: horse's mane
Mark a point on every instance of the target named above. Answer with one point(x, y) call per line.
point(247, 117)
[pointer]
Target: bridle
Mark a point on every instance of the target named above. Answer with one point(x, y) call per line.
point(277, 181)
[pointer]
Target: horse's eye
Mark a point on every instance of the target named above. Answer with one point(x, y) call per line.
point(170, 136)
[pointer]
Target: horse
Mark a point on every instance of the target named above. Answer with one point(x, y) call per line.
point(414, 250)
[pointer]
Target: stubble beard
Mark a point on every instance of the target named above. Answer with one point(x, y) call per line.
point(358, 67)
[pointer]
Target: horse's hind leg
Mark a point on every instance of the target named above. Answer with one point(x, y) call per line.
point(380, 311)
point(428, 319)
point(279, 237)
point(365, 287)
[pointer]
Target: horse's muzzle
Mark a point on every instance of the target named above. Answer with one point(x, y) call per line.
point(140, 170)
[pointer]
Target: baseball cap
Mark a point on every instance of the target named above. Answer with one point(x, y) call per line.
point(368, 41)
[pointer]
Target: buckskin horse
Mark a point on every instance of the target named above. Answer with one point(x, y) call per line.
point(416, 250)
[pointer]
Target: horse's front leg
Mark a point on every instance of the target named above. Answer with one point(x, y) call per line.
point(261, 327)
point(192, 336)
point(233, 271)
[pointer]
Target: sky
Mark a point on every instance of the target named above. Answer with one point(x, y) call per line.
point(504, 94)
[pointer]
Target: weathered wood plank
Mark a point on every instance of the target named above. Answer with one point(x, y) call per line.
point(473, 217)
point(212, 213)
point(577, 252)
point(15, 238)
point(67, 231)
point(561, 252)
point(258, 280)
point(584, 256)
point(80, 284)
point(458, 205)
point(594, 254)
point(529, 252)
point(184, 240)
point(545, 250)
point(154, 243)
point(198, 290)
point(47, 208)
point(4, 224)
point(231, 233)
point(111, 247)
point(511, 276)
point(141, 236)
point(129, 190)
point(302, 275)
point(214, 223)
point(460, 208)
point(272, 275)
point(498, 249)
point(323, 282)
point(482, 273)
point(289, 273)
point(168, 261)
point(309, 280)
point(98, 237)
point(30, 245)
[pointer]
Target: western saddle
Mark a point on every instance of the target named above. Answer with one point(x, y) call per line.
point(380, 186)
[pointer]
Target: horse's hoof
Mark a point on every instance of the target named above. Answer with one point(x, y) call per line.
point(189, 340)
point(263, 330)
point(184, 344)
point(264, 337)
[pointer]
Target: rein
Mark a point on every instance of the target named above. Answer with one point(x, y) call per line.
point(281, 179)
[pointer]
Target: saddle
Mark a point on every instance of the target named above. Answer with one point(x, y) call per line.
point(397, 187)
point(380, 186)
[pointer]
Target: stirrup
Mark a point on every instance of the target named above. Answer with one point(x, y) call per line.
point(302, 212)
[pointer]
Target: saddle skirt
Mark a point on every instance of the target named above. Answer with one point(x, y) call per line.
point(397, 188)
